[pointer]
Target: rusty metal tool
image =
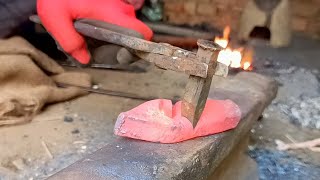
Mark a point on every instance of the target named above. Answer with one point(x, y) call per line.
point(198, 88)
point(112, 93)
point(200, 66)
point(119, 67)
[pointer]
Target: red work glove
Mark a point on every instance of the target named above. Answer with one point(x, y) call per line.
point(57, 16)
point(137, 4)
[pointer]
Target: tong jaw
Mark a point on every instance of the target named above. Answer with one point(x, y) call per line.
point(200, 66)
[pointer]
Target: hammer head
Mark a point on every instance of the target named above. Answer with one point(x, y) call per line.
point(198, 88)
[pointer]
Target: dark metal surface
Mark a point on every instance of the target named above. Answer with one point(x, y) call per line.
point(123, 67)
point(183, 42)
point(181, 31)
point(123, 40)
point(111, 27)
point(178, 64)
point(201, 66)
point(111, 93)
point(158, 51)
point(101, 24)
point(124, 158)
point(197, 89)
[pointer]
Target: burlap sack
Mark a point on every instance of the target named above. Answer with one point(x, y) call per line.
point(28, 81)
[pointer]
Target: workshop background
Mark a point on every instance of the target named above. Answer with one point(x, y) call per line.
point(66, 132)
point(304, 14)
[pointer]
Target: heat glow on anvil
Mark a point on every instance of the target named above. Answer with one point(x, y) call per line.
point(124, 158)
point(160, 121)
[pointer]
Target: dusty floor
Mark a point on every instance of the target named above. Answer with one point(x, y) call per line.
point(294, 116)
point(66, 132)
point(275, 164)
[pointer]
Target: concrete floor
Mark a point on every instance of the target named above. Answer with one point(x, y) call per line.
point(303, 52)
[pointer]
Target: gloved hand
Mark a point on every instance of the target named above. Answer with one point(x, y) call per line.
point(137, 4)
point(57, 17)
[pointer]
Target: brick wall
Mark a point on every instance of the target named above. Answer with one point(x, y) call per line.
point(219, 13)
point(306, 16)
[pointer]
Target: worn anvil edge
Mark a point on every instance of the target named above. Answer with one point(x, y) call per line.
point(195, 159)
point(214, 156)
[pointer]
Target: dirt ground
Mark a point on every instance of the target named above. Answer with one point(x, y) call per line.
point(294, 115)
point(275, 164)
point(66, 132)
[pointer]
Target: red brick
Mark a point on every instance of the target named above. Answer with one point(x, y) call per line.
point(202, 1)
point(176, 18)
point(174, 6)
point(304, 8)
point(222, 2)
point(313, 27)
point(238, 4)
point(317, 2)
point(207, 9)
point(190, 7)
point(299, 24)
